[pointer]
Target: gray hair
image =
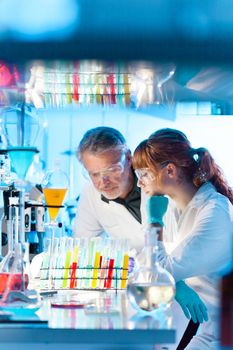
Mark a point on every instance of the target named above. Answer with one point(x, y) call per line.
point(101, 139)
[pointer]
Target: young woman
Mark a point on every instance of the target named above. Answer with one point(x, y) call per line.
point(166, 164)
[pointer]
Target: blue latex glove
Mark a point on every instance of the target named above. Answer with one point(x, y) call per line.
point(156, 208)
point(190, 303)
point(131, 264)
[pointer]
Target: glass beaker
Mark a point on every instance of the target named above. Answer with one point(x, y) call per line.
point(151, 287)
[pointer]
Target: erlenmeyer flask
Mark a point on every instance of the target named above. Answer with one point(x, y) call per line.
point(151, 287)
point(16, 297)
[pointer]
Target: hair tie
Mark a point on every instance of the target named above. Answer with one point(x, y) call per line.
point(195, 155)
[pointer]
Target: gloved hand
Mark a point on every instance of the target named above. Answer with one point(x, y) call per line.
point(131, 264)
point(156, 208)
point(191, 303)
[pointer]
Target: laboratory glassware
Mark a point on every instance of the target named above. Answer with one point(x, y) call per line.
point(17, 297)
point(151, 287)
point(55, 186)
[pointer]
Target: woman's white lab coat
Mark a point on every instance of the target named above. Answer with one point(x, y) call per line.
point(203, 249)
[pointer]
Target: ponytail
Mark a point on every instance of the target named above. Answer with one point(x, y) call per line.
point(208, 170)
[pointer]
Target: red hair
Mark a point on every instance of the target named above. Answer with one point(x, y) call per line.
point(197, 165)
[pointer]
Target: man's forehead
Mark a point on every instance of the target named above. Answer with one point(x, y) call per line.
point(101, 160)
point(105, 154)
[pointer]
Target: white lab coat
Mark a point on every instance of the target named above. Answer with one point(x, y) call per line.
point(94, 217)
point(203, 250)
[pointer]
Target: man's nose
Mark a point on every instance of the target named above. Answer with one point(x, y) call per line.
point(105, 178)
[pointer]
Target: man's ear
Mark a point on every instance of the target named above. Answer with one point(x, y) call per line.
point(128, 156)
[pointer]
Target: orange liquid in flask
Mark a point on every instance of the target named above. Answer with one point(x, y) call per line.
point(54, 196)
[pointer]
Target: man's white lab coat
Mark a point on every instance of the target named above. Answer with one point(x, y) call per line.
point(95, 216)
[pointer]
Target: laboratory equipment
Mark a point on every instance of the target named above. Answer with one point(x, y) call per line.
point(73, 263)
point(151, 287)
point(55, 186)
point(21, 158)
point(20, 125)
point(17, 297)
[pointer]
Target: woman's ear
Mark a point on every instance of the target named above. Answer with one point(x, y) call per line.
point(171, 170)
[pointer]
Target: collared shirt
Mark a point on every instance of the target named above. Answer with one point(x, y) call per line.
point(132, 202)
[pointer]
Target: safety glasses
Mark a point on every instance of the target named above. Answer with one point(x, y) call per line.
point(111, 172)
point(146, 175)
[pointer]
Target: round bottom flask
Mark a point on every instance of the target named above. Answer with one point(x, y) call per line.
point(151, 287)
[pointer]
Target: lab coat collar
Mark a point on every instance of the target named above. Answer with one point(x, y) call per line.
point(202, 194)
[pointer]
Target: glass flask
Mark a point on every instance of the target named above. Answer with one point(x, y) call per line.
point(151, 288)
point(17, 297)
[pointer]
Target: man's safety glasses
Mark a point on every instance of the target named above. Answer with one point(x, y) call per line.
point(111, 172)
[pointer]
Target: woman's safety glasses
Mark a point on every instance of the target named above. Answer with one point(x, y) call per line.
point(144, 175)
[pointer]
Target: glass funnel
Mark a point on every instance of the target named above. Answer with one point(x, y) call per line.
point(151, 288)
point(21, 159)
point(55, 186)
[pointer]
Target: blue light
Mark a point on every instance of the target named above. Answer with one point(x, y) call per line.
point(38, 20)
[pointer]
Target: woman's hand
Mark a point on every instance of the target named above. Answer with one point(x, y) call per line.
point(190, 303)
point(156, 208)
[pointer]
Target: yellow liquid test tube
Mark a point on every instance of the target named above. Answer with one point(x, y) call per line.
point(126, 89)
point(67, 267)
point(96, 268)
point(125, 271)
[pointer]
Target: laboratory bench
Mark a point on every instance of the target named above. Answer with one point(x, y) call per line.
point(106, 322)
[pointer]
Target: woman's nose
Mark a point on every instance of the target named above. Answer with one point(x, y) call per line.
point(139, 183)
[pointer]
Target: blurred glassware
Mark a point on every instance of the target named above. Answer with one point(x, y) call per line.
point(151, 288)
point(20, 125)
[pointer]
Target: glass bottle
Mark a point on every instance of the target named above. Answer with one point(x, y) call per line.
point(151, 287)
